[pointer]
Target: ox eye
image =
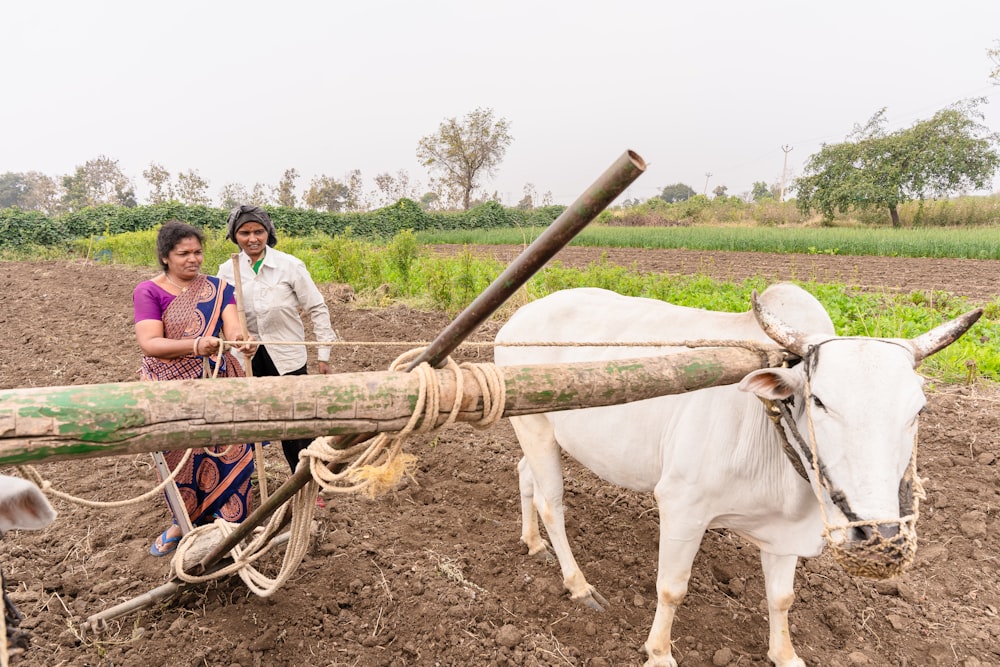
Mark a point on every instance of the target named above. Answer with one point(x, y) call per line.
point(818, 403)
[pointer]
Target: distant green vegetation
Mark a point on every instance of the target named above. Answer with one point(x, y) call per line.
point(20, 229)
point(966, 242)
point(765, 225)
point(402, 269)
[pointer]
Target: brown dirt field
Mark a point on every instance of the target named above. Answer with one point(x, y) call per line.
point(973, 278)
point(433, 574)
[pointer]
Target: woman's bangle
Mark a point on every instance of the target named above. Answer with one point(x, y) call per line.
point(195, 345)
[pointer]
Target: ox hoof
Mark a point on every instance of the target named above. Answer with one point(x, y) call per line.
point(593, 600)
point(662, 661)
point(539, 551)
point(545, 556)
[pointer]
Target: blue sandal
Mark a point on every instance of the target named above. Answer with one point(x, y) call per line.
point(169, 544)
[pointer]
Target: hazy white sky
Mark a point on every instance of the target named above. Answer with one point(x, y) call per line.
point(241, 91)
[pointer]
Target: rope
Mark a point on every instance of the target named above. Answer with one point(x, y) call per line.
point(877, 557)
point(705, 342)
point(31, 473)
point(370, 467)
point(302, 507)
point(379, 464)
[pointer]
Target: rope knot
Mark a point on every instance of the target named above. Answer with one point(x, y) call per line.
point(376, 466)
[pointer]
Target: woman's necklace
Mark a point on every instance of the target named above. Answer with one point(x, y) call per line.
point(182, 288)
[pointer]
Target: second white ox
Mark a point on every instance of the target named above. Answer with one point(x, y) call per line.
point(712, 457)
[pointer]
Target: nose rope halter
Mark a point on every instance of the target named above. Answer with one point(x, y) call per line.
point(878, 557)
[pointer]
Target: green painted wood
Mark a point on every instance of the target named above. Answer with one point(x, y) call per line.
point(56, 423)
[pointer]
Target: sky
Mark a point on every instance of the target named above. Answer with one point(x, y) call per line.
point(708, 93)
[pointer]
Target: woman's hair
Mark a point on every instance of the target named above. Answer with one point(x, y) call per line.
point(171, 233)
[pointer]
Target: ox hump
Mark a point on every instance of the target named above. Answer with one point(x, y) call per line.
point(797, 308)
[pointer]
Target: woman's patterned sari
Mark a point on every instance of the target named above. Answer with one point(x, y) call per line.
point(214, 481)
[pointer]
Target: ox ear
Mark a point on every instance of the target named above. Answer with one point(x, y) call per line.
point(775, 384)
point(23, 506)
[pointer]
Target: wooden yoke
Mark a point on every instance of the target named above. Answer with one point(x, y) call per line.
point(58, 423)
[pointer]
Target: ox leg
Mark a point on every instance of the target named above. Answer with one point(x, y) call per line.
point(530, 534)
point(676, 556)
point(541, 484)
point(779, 583)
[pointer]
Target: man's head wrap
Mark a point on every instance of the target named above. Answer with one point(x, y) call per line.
point(246, 213)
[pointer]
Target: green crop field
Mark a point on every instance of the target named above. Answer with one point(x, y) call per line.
point(402, 269)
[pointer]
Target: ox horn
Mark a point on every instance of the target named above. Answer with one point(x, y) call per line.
point(782, 334)
point(942, 335)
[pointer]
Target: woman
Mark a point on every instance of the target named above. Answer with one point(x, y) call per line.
point(179, 316)
point(276, 286)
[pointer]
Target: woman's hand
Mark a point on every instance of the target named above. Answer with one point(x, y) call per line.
point(206, 346)
point(247, 347)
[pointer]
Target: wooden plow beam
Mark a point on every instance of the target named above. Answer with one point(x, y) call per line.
point(58, 423)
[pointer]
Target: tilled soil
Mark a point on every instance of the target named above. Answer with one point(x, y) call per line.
point(432, 573)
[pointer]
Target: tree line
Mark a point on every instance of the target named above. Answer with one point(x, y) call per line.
point(459, 156)
point(951, 153)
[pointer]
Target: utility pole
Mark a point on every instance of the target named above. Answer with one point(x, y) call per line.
point(708, 175)
point(784, 169)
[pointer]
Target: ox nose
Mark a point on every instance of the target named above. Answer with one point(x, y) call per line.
point(888, 531)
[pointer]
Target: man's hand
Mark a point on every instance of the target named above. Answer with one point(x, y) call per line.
point(248, 347)
point(324, 368)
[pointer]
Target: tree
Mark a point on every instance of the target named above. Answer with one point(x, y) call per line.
point(720, 190)
point(43, 193)
point(390, 189)
point(462, 152)
point(677, 192)
point(159, 182)
point(447, 195)
point(760, 191)
point(327, 194)
point(875, 169)
point(528, 200)
point(98, 181)
point(284, 194)
point(192, 189)
point(356, 200)
point(233, 195)
point(429, 201)
point(13, 188)
point(259, 196)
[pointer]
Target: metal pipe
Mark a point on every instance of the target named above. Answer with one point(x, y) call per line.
point(578, 215)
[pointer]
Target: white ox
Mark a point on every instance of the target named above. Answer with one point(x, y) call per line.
point(712, 457)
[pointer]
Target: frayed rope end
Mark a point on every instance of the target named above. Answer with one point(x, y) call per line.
point(382, 478)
